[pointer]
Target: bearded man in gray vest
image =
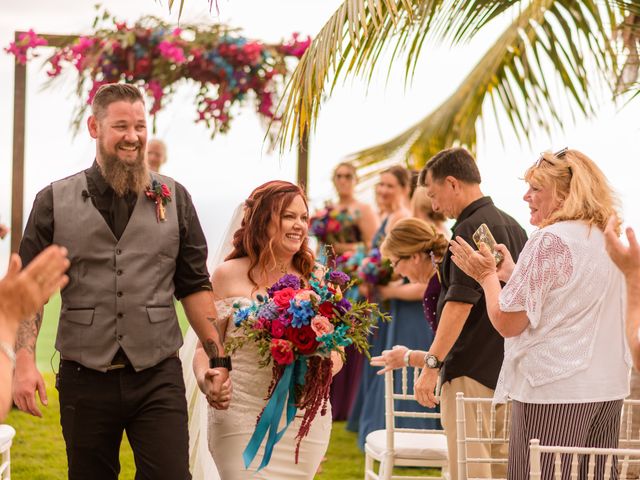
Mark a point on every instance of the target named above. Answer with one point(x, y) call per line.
point(134, 242)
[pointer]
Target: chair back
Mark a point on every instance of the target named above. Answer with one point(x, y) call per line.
point(568, 461)
point(404, 393)
point(485, 430)
point(630, 424)
point(7, 433)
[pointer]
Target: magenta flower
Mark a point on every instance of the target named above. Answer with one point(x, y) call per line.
point(26, 41)
point(171, 52)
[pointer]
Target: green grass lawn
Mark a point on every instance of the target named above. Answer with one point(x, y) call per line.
point(38, 452)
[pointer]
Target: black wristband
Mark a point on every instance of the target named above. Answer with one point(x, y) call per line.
point(220, 362)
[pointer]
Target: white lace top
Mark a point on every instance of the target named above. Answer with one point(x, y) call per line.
point(574, 349)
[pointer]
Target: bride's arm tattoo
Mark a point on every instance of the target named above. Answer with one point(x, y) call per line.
point(28, 333)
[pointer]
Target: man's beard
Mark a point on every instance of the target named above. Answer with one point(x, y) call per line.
point(124, 177)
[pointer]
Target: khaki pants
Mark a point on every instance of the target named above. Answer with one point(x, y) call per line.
point(472, 388)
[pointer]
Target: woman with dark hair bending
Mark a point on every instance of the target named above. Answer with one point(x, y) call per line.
point(271, 242)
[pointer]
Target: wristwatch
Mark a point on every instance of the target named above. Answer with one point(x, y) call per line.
point(220, 362)
point(431, 361)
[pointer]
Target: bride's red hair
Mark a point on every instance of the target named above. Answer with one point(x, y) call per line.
point(266, 203)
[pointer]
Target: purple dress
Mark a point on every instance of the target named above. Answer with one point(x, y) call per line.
point(430, 302)
point(344, 385)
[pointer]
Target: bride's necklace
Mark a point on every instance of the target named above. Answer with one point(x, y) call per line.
point(282, 268)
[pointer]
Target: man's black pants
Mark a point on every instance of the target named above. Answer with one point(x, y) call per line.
point(96, 407)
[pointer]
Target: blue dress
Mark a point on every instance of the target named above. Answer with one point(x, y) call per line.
point(368, 377)
point(408, 327)
point(412, 327)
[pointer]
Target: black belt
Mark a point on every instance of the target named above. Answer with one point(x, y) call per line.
point(120, 360)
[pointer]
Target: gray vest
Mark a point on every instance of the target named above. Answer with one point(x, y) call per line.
point(120, 293)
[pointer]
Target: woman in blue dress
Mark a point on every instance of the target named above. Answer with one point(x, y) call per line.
point(367, 413)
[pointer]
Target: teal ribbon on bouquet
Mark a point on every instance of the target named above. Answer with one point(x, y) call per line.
point(283, 394)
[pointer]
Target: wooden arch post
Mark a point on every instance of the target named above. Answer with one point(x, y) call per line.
point(19, 129)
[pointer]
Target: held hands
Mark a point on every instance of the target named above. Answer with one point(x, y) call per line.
point(390, 359)
point(627, 259)
point(217, 388)
point(27, 381)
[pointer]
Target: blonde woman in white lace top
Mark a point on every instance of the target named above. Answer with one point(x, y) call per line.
point(566, 362)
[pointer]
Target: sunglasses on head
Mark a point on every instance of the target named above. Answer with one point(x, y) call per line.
point(557, 155)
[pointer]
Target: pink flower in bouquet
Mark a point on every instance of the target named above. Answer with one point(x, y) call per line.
point(306, 295)
point(277, 329)
point(282, 351)
point(303, 338)
point(262, 324)
point(333, 225)
point(282, 298)
point(321, 325)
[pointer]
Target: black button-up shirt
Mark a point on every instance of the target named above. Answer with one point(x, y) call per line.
point(479, 350)
point(191, 273)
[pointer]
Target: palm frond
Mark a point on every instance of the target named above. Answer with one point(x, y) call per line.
point(628, 33)
point(572, 37)
point(351, 41)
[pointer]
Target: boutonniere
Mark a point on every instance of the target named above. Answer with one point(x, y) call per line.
point(159, 193)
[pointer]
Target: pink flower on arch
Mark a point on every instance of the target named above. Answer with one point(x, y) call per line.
point(171, 51)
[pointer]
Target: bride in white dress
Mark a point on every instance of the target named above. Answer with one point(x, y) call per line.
point(271, 241)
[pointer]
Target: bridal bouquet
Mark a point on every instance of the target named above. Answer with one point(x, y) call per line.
point(374, 269)
point(296, 327)
point(332, 225)
point(349, 263)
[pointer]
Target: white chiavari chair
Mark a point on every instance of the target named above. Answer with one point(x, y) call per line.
point(401, 447)
point(6, 439)
point(566, 461)
point(491, 429)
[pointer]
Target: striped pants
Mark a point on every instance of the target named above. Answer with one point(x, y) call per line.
point(562, 424)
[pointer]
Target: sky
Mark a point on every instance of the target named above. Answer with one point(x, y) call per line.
point(220, 173)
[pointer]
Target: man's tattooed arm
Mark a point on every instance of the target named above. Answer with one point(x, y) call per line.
point(28, 333)
point(211, 347)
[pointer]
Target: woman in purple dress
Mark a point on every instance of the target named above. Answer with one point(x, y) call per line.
point(345, 384)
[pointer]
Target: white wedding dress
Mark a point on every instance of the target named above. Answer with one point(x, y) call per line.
point(224, 434)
